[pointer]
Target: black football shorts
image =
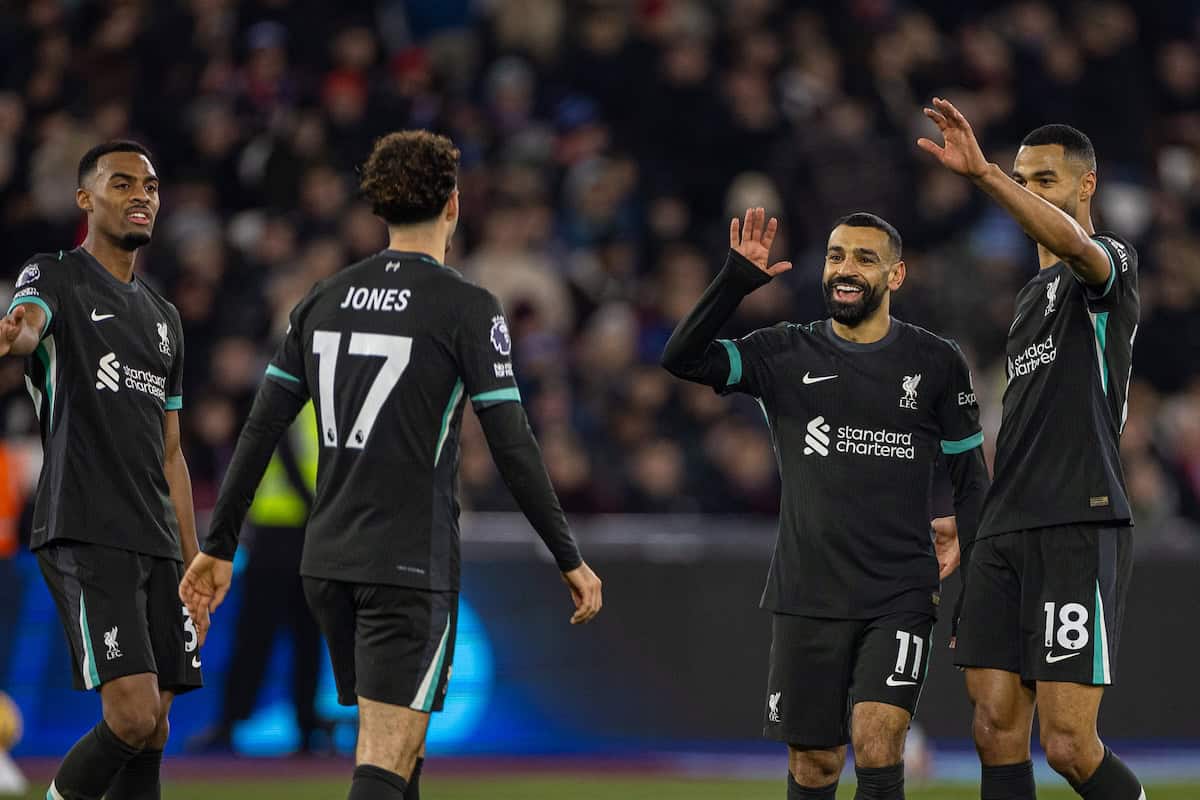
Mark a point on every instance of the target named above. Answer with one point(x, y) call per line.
point(820, 668)
point(122, 615)
point(1047, 604)
point(390, 644)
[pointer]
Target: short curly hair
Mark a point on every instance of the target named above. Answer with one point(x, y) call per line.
point(409, 176)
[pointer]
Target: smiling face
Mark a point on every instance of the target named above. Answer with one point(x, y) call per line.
point(860, 271)
point(121, 199)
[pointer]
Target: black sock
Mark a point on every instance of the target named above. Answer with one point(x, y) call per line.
point(376, 783)
point(798, 792)
point(1112, 780)
point(1009, 782)
point(89, 769)
point(880, 783)
point(139, 780)
point(414, 782)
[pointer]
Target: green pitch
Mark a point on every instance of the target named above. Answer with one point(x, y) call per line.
point(588, 787)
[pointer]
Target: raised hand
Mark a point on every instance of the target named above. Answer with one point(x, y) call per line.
point(960, 152)
point(753, 240)
point(10, 329)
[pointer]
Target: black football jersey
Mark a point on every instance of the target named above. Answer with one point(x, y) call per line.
point(856, 428)
point(1069, 355)
point(108, 368)
point(390, 349)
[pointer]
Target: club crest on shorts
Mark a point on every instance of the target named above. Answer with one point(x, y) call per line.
point(110, 641)
point(909, 385)
point(773, 706)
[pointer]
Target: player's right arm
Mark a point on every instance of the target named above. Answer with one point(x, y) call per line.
point(282, 394)
point(31, 311)
point(693, 352)
point(21, 330)
point(482, 348)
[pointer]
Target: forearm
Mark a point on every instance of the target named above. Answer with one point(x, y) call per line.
point(273, 411)
point(1044, 222)
point(180, 482)
point(691, 352)
point(968, 473)
point(519, 461)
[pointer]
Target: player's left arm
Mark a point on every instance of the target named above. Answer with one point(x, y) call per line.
point(962, 450)
point(1046, 224)
point(180, 483)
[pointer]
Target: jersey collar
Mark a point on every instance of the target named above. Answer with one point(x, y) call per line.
point(856, 347)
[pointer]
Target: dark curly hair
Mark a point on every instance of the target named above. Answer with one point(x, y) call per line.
point(409, 176)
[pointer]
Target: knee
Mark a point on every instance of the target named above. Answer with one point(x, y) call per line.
point(133, 723)
point(1069, 754)
point(158, 739)
point(395, 756)
point(881, 747)
point(816, 768)
point(996, 727)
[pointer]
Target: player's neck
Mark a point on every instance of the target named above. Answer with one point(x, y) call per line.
point(868, 331)
point(430, 240)
point(117, 260)
point(1083, 216)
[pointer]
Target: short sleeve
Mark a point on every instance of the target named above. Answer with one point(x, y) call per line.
point(1122, 278)
point(39, 283)
point(958, 410)
point(749, 359)
point(175, 378)
point(287, 365)
point(483, 349)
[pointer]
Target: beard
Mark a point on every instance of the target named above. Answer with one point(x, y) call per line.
point(133, 240)
point(852, 314)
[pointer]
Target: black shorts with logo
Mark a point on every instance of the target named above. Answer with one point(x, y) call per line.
point(1047, 603)
point(821, 667)
point(390, 644)
point(122, 615)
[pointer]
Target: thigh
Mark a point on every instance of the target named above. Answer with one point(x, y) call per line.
point(390, 736)
point(404, 645)
point(332, 606)
point(892, 660)
point(808, 683)
point(172, 632)
point(100, 593)
point(1073, 600)
point(989, 629)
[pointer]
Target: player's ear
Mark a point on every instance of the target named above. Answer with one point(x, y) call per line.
point(83, 199)
point(1087, 186)
point(451, 211)
point(899, 273)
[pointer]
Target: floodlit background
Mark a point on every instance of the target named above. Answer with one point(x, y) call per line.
point(605, 143)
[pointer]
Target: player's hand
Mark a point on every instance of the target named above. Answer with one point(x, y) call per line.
point(753, 240)
point(961, 152)
point(945, 545)
point(204, 587)
point(10, 328)
point(585, 591)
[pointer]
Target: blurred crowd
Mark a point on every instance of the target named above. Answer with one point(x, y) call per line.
point(606, 143)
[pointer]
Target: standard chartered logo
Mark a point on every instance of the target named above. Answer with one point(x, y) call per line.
point(817, 437)
point(880, 443)
point(1032, 357)
point(112, 374)
point(107, 377)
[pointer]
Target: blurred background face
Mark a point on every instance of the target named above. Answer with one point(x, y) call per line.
point(858, 265)
point(1047, 172)
point(123, 194)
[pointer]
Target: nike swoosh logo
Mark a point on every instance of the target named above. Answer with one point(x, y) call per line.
point(195, 662)
point(101, 317)
point(1053, 659)
point(809, 379)
point(891, 681)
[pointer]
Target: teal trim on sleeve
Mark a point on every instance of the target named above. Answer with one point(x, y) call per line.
point(497, 395)
point(37, 301)
point(962, 445)
point(275, 372)
point(174, 402)
point(735, 361)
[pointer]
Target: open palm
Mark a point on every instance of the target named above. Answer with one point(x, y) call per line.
point(961, 152)
point(753, 240)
